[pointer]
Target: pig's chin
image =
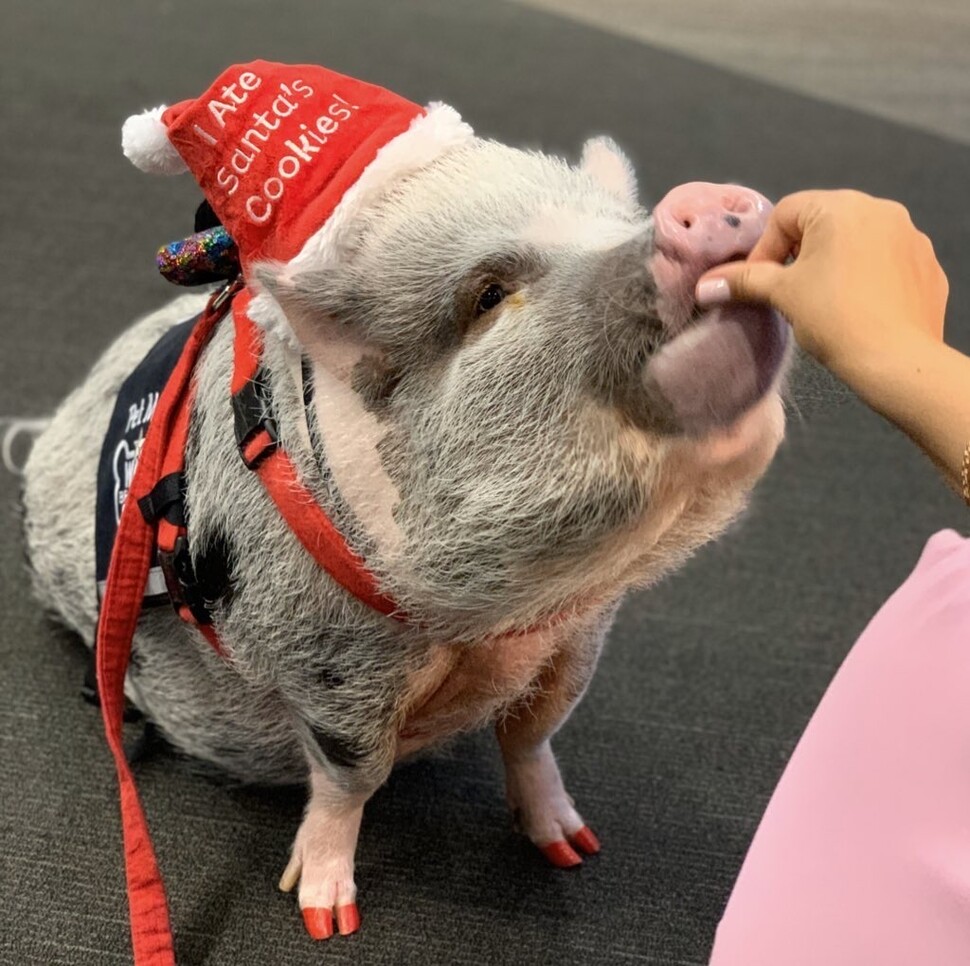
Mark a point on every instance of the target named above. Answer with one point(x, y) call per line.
point(713, 371)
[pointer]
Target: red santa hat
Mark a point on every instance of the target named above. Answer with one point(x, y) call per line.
point(287, 155)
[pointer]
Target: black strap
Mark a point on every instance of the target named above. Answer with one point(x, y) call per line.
point(180, 579)
point(167, 499)
point(252, 409)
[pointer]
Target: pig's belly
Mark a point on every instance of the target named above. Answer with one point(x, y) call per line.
point(461, 687)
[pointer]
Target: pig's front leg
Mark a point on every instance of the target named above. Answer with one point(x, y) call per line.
point(322, 860)
point(541, 807)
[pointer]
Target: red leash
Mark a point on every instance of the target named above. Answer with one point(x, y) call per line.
point(151, 933)
point(163, 455)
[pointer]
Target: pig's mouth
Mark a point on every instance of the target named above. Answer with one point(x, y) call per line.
point(714, 364)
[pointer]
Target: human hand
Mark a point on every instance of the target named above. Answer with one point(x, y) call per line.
point(864, 282)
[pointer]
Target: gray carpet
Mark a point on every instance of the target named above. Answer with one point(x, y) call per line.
point(706, 683)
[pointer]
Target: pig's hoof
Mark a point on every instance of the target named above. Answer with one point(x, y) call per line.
point(565, 853)
point(327, 893)
point(542, 810)
point(319, 922)
point(586, 841)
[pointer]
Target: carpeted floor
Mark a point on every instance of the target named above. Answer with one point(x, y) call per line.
point(707, 682)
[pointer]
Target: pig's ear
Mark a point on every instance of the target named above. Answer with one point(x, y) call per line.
point(606, 164)
point(288, 307)
point(297, 307)
point(274, 301)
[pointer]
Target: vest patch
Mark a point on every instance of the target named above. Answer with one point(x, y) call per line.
point(132, 413)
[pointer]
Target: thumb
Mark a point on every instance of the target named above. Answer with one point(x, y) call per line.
point(739, 281)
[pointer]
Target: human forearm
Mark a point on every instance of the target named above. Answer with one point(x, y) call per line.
point(925, 391)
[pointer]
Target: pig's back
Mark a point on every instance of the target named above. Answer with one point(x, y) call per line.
point(60, 478)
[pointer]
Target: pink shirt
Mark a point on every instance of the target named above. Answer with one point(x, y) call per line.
point(863, 855)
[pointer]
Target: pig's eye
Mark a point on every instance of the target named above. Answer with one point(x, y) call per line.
point(490, 297)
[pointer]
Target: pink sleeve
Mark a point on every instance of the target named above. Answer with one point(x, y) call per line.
point(863, 855)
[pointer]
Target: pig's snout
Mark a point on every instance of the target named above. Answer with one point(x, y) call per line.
point(696, 226)
point(713, 366)
point(705, 224)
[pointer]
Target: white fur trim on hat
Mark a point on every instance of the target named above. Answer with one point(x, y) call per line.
point(144, 139)
point(429, 136)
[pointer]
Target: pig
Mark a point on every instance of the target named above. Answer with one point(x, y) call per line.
point(519, 414)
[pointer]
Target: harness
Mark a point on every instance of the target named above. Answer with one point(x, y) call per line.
point(151, 539)
point(172, 577)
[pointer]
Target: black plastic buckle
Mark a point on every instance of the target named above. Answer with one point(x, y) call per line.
point(181, 582)
point(251, 409)
point(167, 499)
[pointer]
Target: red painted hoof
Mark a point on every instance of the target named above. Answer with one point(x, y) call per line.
point(561, 855)
point(318, 922)
point(585, 841)
point(348, 919)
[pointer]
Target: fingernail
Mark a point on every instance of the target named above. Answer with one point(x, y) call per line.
point(712, 291)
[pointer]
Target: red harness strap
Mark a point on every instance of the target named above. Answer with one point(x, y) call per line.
point(256, 436)
point(172, 537)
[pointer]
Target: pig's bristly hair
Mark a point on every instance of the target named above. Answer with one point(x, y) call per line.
point(521, 488)
point(478, 499)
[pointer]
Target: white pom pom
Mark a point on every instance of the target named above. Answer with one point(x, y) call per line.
point(144, 139)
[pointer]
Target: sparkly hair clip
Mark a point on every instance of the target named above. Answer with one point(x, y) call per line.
point(206, 256)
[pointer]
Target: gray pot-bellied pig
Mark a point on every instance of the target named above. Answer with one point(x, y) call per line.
point(517, 415)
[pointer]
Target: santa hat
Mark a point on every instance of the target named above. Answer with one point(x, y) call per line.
point(287, 155)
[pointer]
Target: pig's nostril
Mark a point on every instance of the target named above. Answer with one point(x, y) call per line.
point(686, 222)
point(733, 221)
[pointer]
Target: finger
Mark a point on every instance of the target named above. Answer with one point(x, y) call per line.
point(776, 243)
point(739, 281)
point(786, 226)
